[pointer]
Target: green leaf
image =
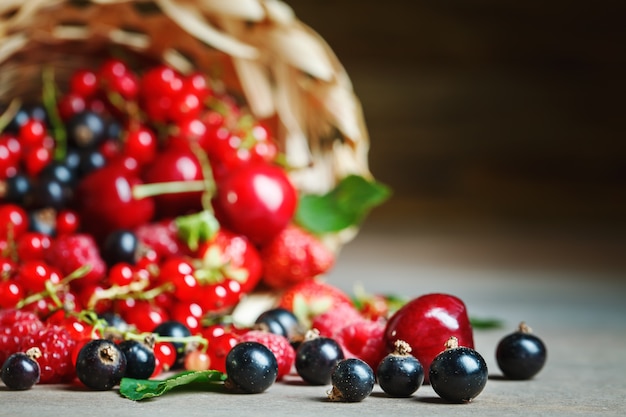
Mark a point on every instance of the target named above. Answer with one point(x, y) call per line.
point(344, 206)
point(196, 228)
point(140, 389)
point(485, 323)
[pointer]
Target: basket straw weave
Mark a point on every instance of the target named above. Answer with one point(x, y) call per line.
point(283, 69)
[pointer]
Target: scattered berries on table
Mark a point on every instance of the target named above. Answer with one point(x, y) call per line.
point(458, 374)
point(278, 344)
point(521, 354)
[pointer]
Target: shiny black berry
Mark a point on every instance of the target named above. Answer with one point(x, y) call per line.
point(100, 364)
point(353, 380)
point(250, 367)
point(280, 321)
point(140, 360)
point(458, 374)
point(400, 374)
point(20, 371)
point(120, 246)
point(176, 330)
point(521, 354)
point(86, 129)
point(15, 188)
point(316, 359)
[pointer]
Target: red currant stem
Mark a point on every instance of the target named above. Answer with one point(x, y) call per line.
point(169, 187)
point(49, 99)
point(207, 175)
point(51, 290)
point(199, 340)
point(9, 113)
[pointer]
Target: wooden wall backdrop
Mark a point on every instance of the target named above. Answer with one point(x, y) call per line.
point(490, 111)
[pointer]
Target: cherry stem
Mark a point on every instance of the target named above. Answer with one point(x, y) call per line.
point(51, 289)
point(9, 113)
point(169, 187)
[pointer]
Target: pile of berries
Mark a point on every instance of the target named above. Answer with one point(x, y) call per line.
point(138, 209)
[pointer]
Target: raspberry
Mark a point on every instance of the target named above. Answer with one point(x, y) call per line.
point(333, 320)
point(161, 237)
point(278, 344)
point(363, 339)
point(70, 252)
point(15, 325)
point(56, 347)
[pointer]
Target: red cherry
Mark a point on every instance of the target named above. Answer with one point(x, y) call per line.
point(175, 163)
point(427, 322)
point(257, 200)
point(106, 201)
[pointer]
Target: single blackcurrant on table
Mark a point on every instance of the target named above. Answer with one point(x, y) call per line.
point(316, 358)
point(353, 381)
point(521, 354)
point(251, 367)
point(458, 374)
point(21, 371)
point(400, 374)
point(100, 364)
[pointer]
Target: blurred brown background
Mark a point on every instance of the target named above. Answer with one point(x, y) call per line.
point(490, 113)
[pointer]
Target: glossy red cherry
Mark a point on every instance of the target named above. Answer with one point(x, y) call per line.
point(106, 201)
point(257, 200)
point(176, 163)
point(427, 322)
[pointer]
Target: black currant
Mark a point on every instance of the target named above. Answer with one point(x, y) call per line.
point(521, 354)
point(400, 374)
point(280, 321)
point(58, 171)
point(27, 112)
point(15, 188)
point(251, 367)
point(140, 360)
point(90, 160)
point(175, 329)
point(86, 129)
point(49, 192)
point(100, 364)
point(316, 358)
point(120, 246)
point(353, 381)
point(458, 374)
point(20, 371)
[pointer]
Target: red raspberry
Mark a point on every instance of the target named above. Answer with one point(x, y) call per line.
point(333, 320)
point(70, 252)
point(363, 339)
point(15, 325)
point(56, 347)
point(278, 344)
point(162, 237)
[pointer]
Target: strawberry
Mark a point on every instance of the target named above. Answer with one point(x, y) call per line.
point(161, 237)
point(278, 344)
point(70, 252)
point(294, 255)
point(311, 298)
point(427, 322)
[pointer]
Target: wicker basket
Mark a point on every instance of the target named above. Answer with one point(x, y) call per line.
point(283, 70)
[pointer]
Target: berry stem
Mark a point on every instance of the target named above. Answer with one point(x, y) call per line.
point(170, 187)
point(49, 99)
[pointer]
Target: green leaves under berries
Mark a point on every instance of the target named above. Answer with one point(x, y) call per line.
point(344, 206)
point(141, 389)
